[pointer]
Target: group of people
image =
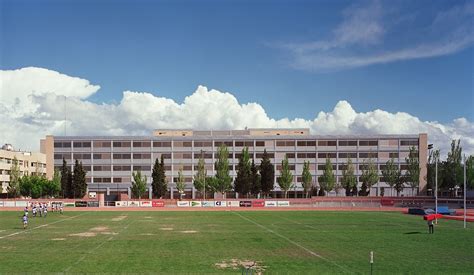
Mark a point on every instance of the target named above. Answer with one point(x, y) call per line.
point(40, 209)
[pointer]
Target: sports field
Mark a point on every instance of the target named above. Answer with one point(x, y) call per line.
point(220, 242)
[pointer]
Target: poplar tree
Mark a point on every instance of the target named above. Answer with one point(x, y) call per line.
point(256, 187)
point(160, 186)
point(79, 185)
point(243, 180)
point(223, 179)
point(199, 180)
point(180, 184)
point(412, 175)
point(327, 179)
point(369, 177)
point(267, 174)
point(285, 180)
point(349, 180)
point(65, 180)
point(138, 184)
point(13, 188)
point(392, 176)
point(307, 178)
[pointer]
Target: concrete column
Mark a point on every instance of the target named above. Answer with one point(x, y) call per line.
point(150, 192)
point(129, 192)
point(171, 192)
point(193, 193)
point(108, 191)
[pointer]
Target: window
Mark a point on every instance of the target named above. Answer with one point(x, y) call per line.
point(122, 156)
point(347, 142)
point(141, 168)
point(409, 143)
point(62, 144)
point(306, 155)
point(322, 167)
point(161, 143)
point(368, 155)
point(202, 144)
point(226, 143)
point(270, 155)
point(368, 143)
point(347, 155)
point(291, 166)
point(141, 156)
point(141, 144)
point(326, 143)
point(81, 144)
point(326, 155)
point(101, 144)
point(121, 168)
point(101, 156)
point(101, 167)
point(393, 155)
point(403, 167)
point(121, 143)
point(117, 180)
point(82, 156)
point(260, 143)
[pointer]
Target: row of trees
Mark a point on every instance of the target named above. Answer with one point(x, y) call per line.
point(73, 183)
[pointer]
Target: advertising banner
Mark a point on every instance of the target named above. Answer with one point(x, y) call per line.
point(270, 203)
point(1, 204)
point(56, 204)
point(208, 204)
point(196, 204)
point(245, 203)
point(145, 203)
point(9, 204)
point(121, 203)
point(92, 204)
point(182, 203)
point(283, 203)
point(221, 204)
point(258, 203)
point(69, 204)
point(158, 203)
point(21, 203)
point(133, 204)
point(80, 203)
point(233, 203)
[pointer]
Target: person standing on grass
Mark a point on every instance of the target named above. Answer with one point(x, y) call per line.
point(430, 227)
point(26, 211)
point(25, 221)
point(45, 211)
point(34, 211)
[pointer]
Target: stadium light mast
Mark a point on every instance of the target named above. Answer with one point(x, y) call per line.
point(436, 190)
point(465, 189)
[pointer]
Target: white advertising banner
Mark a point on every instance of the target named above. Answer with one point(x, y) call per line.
point(221, 204)
point(270, 203)
point(21, 203)
point(1, 203)
point(283, 203)
point(208, 203)
point(233, 203)
point(121, 203)
point(182, 203)
point(196, 204)
point(9, 204)
point(145, 203)
point(133, 203)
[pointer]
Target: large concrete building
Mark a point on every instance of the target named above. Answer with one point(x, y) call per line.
point(29, 164)
point(110, 160)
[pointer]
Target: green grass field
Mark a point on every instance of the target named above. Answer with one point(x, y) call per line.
point(193, 242)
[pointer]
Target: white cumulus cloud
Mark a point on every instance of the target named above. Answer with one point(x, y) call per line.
point(40, 110)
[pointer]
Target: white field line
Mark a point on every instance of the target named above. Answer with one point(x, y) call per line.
point(40, 226)
point(292, 242)
point(96, 247)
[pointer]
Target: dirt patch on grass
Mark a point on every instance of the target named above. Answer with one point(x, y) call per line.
point(84, 234)
point(188, 231)
point(108, 233)
point(237, 264)
point(166, 228)
point(99, 229)
point(148, 217)
point(58, 239)
point(119, 218)
point(147, 234)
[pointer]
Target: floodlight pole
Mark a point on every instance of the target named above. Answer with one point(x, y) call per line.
point(436, 192)
point(465, 189)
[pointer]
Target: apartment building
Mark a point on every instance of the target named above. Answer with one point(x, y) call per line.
point(28, 162)
point(110, 160)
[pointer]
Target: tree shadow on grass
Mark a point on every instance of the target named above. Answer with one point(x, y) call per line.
point(411, 233)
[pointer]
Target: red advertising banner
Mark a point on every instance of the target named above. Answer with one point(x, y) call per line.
point(258, 203)
point(158, 204)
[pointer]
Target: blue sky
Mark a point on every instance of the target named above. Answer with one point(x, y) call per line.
point(274, 53)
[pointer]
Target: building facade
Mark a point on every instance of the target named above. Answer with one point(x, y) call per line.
point(110, 160)
point(29, 164)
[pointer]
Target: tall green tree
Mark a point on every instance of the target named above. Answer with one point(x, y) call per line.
point(13, 188)
point(53, 187)
point(285, 180)
point(349, 180)
point(327, 179)
point(66, 183)
point(412, 174)
point(470, 172)
point(243, 180)
point(452, 172)
point(256, 187)
point(199, 180)
point(138, 184)
point(180, 184)
point(392, 176)
point(159, 183)
point(369, 177)
point(79, 180)
point(433, 158)
point(267, 174)
point(307, 178)
point(224, 180)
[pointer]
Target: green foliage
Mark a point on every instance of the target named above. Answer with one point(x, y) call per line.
point(201, 174)
point(34, 186)
point(242, 183)
point(393, 176)
point(349, 180)
point(285, 180)
point(256, 187)
point(327, 180)
point(79, 185)
point(412, 175)
point(180, 184)
point(66, 180)
point(470, 172)
point(307, 178)
point(224, 180)
point(369, 177)
point(452, 171)
point(138, 184)
point(53, 187)
point(159, 183)
point(13, 188)
point(267, 174)
point(212, 184)
point(433, 158)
